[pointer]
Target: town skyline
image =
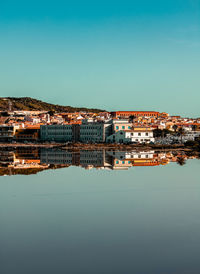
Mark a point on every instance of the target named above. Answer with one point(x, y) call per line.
point(79, 107)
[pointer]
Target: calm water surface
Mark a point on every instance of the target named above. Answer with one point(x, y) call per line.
point(143, 220)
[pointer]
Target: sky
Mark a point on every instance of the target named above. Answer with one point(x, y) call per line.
point(113, 55)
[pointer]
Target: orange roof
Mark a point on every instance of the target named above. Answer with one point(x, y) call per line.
point(32, 126)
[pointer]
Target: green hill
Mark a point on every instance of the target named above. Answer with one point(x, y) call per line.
point(27, 103)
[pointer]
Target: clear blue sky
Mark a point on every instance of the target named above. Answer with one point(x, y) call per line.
point(116, 55)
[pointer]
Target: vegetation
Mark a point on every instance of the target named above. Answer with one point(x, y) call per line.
point(175, 127)
point(161, 133)
point(181, 161)
point(181, 133)
point(193, 144)
point(131, 118)
point(27, 103)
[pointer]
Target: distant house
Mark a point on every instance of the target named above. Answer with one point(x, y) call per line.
point(127, 114)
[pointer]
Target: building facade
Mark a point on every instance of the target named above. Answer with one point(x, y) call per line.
point(56, 133)
point(94, 132)
point(131, 136)
point(121, 124)
point(127, 114)
point(7, 133)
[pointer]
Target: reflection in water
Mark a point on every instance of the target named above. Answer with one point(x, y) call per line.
point(31, 160)
point(141, 220)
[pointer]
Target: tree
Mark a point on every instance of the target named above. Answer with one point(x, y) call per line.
point(194, 127)
point(181, 160)
point(157, 132)
point(51, 113)
point(175, 127)
point(161, 132)
point(132, 118)
point(181, 132)
point(4, 114)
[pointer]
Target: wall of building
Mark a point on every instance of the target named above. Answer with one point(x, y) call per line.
point(57, 133)
point(94, 132)
point(6, 133)
point(131, 136)
point(127, 114)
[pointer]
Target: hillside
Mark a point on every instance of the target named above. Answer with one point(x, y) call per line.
point(27, 103)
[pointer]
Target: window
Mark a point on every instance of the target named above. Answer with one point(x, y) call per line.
point(146, 134)
point(123, 162)
point(129, 127)
point(117, 127)
point(117, 162)
point(123, 127)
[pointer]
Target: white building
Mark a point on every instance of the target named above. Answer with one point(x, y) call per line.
point(122, 124)
point(131, 136)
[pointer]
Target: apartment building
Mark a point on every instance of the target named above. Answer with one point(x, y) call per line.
point(56, 133)
point(94, 132)
point(6, 133)
point(131, 136)
point(27, 134)
point(127, 114)
point(122, 124)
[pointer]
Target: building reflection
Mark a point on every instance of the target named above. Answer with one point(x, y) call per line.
point(25, 160)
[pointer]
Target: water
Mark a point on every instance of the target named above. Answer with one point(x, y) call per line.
point(142, 220)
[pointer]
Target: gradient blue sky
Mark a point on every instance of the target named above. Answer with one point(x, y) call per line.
point(126, 55)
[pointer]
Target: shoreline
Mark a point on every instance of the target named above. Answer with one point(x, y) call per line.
point(79, 146)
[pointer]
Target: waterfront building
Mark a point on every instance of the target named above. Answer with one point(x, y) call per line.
point(95, 132)
point(56, 133)
point(136, 135)
point(30, 134)
point(7, 133)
